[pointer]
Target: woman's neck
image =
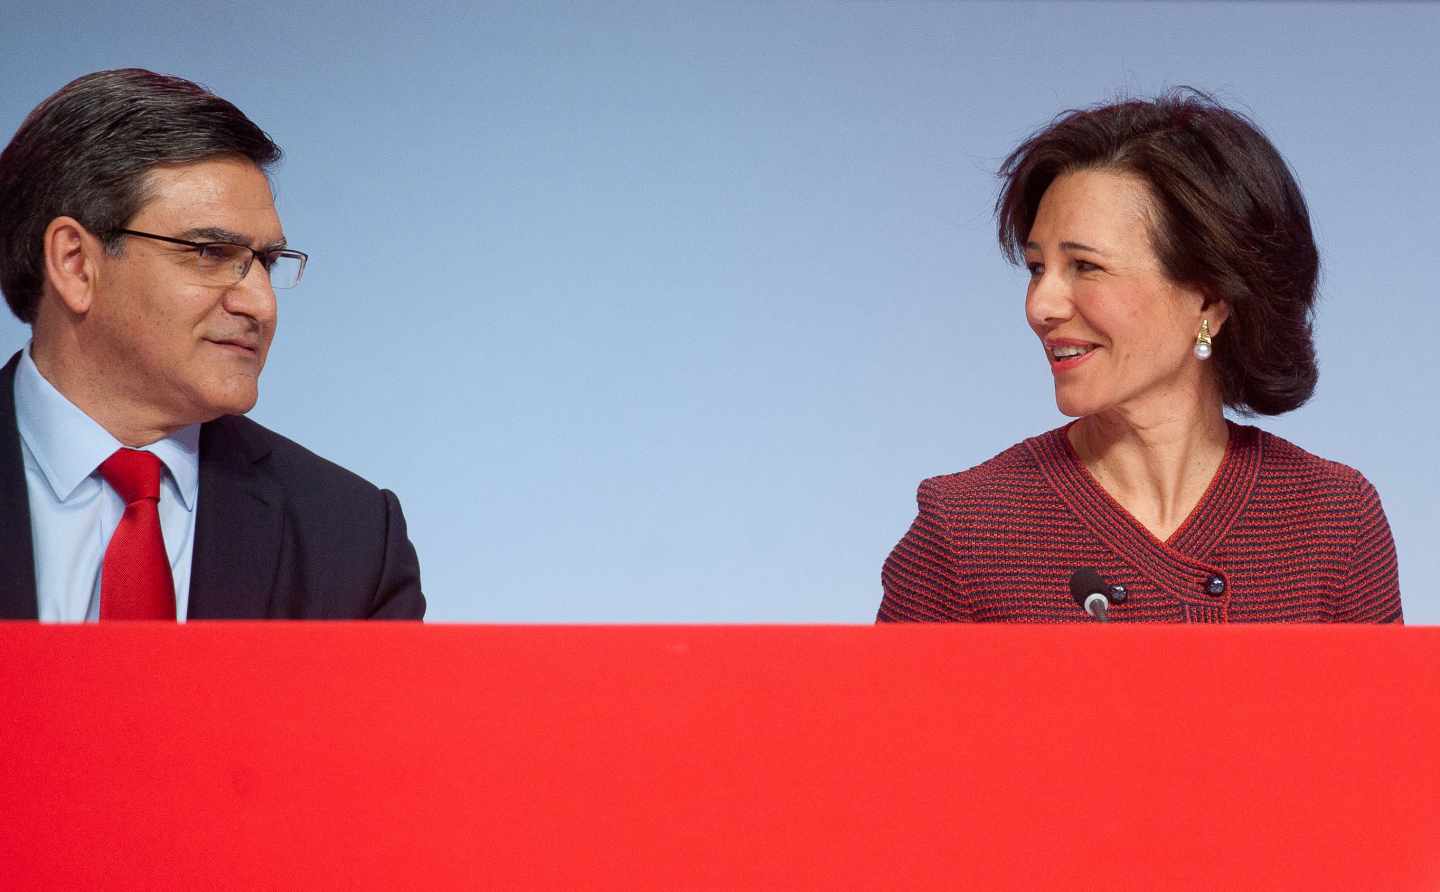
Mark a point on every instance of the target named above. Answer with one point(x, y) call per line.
point(1156, 464)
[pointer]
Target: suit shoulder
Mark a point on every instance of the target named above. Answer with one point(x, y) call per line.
point(293, 464)
point(342, 550)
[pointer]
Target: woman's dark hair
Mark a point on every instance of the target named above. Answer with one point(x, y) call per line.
point(85, 151)
point(1229, 221)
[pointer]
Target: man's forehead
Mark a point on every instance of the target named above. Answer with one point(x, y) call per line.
point(220, 195)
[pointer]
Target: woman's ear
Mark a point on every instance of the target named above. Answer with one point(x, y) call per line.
point(1216, 311)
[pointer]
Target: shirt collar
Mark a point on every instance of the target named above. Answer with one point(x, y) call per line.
point(69, 445)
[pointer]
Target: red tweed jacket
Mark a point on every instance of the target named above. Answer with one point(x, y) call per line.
point(1280, 536)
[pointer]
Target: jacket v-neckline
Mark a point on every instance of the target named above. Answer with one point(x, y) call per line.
point(1180, 563)
point(239, 522)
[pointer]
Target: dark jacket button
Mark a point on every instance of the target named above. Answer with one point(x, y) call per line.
point(1215, 586)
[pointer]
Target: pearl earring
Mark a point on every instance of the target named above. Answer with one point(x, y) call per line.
point(1202, 341)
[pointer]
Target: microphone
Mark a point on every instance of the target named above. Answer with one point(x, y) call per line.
point(1093, 594)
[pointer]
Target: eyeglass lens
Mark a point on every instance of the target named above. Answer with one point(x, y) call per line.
point(233, 262)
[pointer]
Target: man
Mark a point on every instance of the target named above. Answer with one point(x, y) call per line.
point(140, 242)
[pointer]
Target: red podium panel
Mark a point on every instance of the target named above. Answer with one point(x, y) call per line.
point(248, 756)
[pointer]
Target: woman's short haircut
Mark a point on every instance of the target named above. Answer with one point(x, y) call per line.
point(1229, 221)
point(85, 152)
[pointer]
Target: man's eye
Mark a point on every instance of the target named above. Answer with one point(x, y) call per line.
point(217, 254)
point(1085, 266)
point(1036, 269)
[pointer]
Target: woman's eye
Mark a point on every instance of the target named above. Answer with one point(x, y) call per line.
point(1036, 269)
point(1085, 266)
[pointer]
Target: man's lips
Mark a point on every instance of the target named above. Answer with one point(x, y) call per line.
point(249, 345)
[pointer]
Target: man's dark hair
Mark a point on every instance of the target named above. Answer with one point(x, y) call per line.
point(1229, 221)
point(85, 151)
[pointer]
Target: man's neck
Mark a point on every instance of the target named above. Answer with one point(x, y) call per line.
point(90, 391)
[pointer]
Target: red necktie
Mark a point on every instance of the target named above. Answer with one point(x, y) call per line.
point(135, 581)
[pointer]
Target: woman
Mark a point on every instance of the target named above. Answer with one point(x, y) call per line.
point(1172, 274)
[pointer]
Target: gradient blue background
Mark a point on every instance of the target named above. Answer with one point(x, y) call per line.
point(659, 312)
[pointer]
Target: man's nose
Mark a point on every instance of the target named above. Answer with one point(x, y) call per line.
point(253, 295)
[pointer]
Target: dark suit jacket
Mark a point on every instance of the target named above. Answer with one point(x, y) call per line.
point(280, 533)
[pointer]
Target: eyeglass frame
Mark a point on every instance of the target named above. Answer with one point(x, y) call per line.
point(254, 254)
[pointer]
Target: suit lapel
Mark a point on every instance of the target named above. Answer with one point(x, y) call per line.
point(17, 551)
point(238, 527)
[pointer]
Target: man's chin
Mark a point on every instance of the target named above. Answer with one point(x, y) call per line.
point(240, 408)
point(236, 401)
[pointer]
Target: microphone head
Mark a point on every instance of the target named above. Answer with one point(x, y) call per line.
point(1085, 582)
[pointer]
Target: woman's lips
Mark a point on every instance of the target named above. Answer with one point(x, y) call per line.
point(1064, 365)
point(1068, 358)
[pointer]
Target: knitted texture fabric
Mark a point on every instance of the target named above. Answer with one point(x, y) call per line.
point(1280, 536)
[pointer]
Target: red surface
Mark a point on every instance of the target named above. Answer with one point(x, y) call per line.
point(290, 756)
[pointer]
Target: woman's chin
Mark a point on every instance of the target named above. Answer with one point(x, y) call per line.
point(1074, 406)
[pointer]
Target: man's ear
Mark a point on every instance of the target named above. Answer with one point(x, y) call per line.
point(72, 256)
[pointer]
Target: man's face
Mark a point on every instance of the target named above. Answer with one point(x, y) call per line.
point(181, 347)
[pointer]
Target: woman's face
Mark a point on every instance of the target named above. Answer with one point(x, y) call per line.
point(1118, 334)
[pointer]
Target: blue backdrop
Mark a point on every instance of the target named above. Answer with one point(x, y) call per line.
point(659, 312)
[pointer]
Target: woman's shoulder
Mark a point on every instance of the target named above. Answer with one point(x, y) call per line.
point(1014, 468)
point(1284, 461)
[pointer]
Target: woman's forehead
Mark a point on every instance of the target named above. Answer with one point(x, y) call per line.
point(1094, 205)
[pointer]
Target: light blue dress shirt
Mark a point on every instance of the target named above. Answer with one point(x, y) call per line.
point(73, 511)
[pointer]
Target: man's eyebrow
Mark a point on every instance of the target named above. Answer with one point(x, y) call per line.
point(220, 234)
point(1067, 246)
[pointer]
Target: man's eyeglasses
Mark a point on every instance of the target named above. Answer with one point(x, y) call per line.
point(227, 263)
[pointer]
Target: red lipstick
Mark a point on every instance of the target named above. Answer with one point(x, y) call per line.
point(1059, 366)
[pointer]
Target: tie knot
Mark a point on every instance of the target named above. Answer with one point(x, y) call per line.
point(135, 475)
